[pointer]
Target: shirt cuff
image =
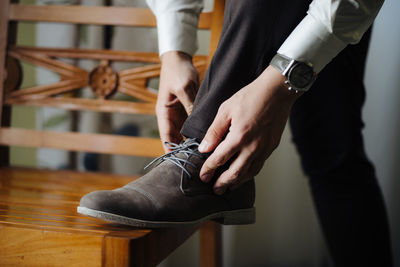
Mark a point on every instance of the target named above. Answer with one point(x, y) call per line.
point(312, 42)
point(177, 31)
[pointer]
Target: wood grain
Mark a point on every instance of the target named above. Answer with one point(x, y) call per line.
point(117, 16)
point(39, 226)
point(38, 248)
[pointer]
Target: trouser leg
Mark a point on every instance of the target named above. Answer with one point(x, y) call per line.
point(326, 124)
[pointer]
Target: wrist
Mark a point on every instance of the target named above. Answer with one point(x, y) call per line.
point(275, 81)
point(175, 56)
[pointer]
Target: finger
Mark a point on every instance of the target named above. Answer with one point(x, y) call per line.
point(216, 131)
point(237, 172)
point(224, 152)
point(187, 96)
point(168, 133)
point(169, 124)
point(253, 169)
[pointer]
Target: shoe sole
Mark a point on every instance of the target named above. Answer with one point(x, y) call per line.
point(232, 217)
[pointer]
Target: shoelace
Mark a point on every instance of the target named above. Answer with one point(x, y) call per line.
point(187, 148)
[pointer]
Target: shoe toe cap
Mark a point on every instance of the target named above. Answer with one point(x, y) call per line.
point(97, 200)
point(120, 202)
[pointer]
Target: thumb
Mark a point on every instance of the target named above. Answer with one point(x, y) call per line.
point(215, 132)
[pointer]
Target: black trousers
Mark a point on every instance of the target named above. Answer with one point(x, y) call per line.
point(326, 125)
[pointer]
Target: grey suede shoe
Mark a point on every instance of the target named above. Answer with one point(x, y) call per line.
point(171, 195)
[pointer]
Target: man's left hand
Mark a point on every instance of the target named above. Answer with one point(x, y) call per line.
point(252, 120)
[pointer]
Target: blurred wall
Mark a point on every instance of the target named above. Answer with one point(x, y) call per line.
point(382, 111)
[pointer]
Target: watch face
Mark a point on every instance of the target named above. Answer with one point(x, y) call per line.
point(301, 75)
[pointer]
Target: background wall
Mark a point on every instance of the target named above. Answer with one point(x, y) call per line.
point(382, 111)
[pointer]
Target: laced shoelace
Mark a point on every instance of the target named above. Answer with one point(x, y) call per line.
point(188, 148)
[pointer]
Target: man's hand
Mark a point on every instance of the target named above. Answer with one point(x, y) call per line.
point(253, 120)
point(179, 83)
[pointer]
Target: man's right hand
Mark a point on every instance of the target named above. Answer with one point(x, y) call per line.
point(179, 82)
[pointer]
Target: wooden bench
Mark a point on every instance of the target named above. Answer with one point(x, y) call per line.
point(39, 225)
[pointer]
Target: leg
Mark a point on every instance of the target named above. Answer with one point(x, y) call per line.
point(252, 32)
point(326, 124)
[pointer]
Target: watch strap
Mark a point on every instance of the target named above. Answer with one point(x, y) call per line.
point(282, 63)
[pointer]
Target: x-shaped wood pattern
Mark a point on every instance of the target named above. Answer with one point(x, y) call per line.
point(103, 79)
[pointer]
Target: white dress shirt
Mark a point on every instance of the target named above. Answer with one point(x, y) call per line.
point(327, 28)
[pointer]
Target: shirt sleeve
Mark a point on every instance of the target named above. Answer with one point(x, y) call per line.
point(177, 22)
point(330, 25)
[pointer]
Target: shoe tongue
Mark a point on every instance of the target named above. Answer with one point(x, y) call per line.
point(192, 145)
point(192, 186)
point(191, 142)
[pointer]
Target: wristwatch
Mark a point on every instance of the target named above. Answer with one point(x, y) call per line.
point(299, 75)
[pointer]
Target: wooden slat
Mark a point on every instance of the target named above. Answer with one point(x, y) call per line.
point(122, 16)
point(97, 54)
point(96, 143)
point(137, 91)
point(140, 72)
point(46, 62)
point(100, 105)
point(117, 16)
point(43, 91)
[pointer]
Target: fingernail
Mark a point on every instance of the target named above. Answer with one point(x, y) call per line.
point(203, 146)
point(206, 177)
point(219, 190)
